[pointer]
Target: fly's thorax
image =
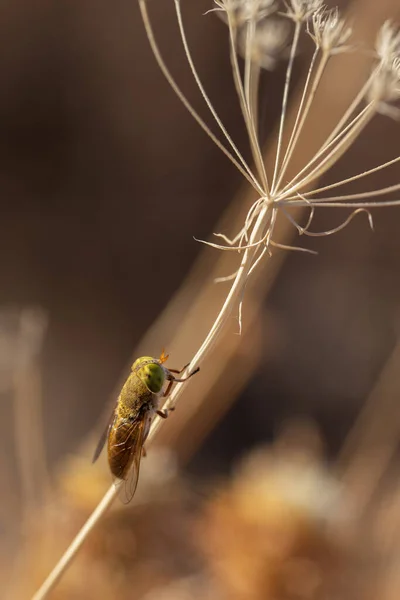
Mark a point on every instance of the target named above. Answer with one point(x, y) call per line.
point(135, 396)
point(151, 372)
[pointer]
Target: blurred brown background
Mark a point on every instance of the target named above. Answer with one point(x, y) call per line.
point(104, 181)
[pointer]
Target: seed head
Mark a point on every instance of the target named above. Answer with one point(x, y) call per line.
point(302, 10)
point(269, 39)
point(385, 88)
point(329, 32)
point(239, 12)
point(387, 45)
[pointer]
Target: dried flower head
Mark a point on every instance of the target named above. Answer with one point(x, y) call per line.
point(238, 12)
point(302, 10)
point(385, 89)
point(329, 32)
point(260, 43)
point(266, 44)
point(387, 45)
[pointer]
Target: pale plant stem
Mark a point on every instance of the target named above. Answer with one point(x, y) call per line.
point(294, 184)
point(249, 123)
point(256, 262)
point(250, 30)
point(298, 127)
point(251, 77)
point(77, 542)
point(201, 87)
point(370, 194)
point(353, 178)
point(338, 204)
point(255, 84)
point(361, 94)
point(206, 347)
point(337, 131)
point(288, 77)
point(267, 241)
point(292, 248)
point(342, 147)
point(244, 170)
point(251, 215)
point(337, 152)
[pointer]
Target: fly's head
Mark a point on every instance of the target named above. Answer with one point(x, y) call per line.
point(151, 372)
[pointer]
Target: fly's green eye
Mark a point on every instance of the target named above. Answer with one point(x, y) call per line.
point(141, 360)
point(153, 376)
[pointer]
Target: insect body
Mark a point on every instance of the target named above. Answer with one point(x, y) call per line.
point(131, 418)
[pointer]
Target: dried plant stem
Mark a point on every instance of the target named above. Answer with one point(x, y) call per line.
point(202, 90)
point(288, 77)
point(295, 183)
point(65, 560)
point(250, 124)
point(246, 172)
point(353, 177)
point(355, 128)
point(352, 107)
point(299, 127)
point(296, 127)
point(252, 79)
point(231, 300)
point(370, 194)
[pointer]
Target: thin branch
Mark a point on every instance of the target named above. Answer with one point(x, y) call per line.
point(295, 248)
point(249, 122)
point(336, 153)
point(294, 184)
point(246, 172)
point(338, 204)
point(352, 107)
point(201, 87)
point(371, 194)
point(353, 178)
point(251, 215)
point(77, 542)
point(299, 124)
point(208, 344)
point(288, 77)
point(226, 278)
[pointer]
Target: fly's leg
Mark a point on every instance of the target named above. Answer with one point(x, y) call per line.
point(176, 370)
point(164, 413)
point(180, 380)
point(168, 388)
point(144, 452)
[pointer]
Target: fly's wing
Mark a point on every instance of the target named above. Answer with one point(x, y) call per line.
point(104, 437)
point(135, 438)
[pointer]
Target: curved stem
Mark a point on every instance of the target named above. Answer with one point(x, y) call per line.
point(370, 194)
point(288, 77)
point(77, 542)
point(354, 177)
point(298, 126)
point(336, 153)
point(164, 69)
point(352, 107)
point(338, 204)
point(249, 122)
point(203, 92)
point(205, 348)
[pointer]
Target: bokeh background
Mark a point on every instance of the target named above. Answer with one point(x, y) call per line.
point(104, 181)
